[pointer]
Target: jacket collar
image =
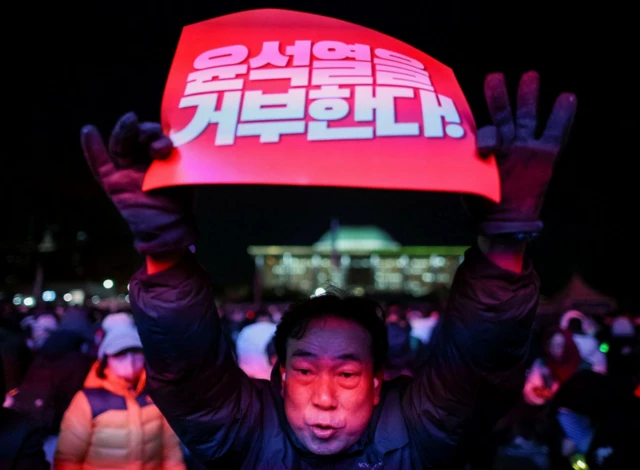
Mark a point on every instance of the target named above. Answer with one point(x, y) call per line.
point(390, 428)
point(112, 383)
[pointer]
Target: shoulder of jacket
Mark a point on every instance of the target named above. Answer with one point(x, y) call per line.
point(102, 400)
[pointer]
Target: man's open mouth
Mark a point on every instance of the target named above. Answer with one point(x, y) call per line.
point(323, 431)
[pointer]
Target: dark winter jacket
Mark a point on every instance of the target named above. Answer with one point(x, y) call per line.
point(55, 375)
point(431, 421)
point(21, 441)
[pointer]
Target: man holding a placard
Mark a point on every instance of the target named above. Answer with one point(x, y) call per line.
point(326, 405)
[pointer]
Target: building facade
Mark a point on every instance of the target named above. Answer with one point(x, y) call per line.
point(358, 260)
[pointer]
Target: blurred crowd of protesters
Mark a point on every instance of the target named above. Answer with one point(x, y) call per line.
point(74, 388)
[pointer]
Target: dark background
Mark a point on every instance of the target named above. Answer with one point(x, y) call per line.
point(91, 62)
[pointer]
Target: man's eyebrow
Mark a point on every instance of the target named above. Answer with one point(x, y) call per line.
point(302, 353)
point(341, 357)
point(349, 357)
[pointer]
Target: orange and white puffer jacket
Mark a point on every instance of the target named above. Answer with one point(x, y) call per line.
point(109, 426)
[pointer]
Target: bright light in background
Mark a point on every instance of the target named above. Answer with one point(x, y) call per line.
point(578, 462)
point(95, 299)
point(108, 283)
point(67, 297)
point(17, 299)
point(604, 348)
point(128, 286)
point(126, 298)
point(77, 296)
point(29, 301)
point(320, 291)
point(48, 296)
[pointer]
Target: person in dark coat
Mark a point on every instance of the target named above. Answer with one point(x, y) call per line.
point(605, 421)
point(55, 375)
point(326, 405)
point(15, 356)
point(21, 441)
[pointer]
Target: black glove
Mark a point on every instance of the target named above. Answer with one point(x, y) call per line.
point(162, 220)
point(525, 162)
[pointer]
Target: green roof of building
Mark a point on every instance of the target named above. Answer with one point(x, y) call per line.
point(365, 238)
point(358, 240)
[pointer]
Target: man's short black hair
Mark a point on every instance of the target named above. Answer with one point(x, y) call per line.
point(361, 310)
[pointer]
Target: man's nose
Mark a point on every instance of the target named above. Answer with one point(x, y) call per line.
point(324, 396)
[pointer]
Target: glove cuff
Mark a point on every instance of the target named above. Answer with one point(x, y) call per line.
point(180, 236)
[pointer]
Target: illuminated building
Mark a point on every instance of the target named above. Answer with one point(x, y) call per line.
point(358, 260)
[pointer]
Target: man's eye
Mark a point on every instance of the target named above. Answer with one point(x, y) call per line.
point(347, 375)
point(303, 371)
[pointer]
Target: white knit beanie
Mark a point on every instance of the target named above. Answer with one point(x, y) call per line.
point(120, 333)
point(622, 327)
point(588, 326)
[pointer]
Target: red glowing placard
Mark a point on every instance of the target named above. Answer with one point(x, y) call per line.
point(287, 98)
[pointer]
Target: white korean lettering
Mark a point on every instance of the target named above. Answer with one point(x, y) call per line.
point(221, 56)
point(384, 104)
point(206, 113)
point(298, 76)
point(435, 108)
point(202, 81)
point(259, 106)
point(398, 58)
point(270, 132)
point(286, 112)
point(397, 65)
point(336, 50)
point(388, 75)
point(341, 72)
point(330, 105)
point(217, 70)
point(271, 55)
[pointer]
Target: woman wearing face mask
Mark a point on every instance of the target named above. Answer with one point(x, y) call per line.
point(112, 423)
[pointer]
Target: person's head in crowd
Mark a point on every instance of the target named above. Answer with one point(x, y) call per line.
point(276, 313)
point(42, 327)
point(77, 319)
point(399, 356)
point(396, 314)
point(96, 315)
point(331, 350)
point(263, 315)
point(414, 314)
point(575, 326)
point(555, 345)
point(622, 327)
point(561, 354)
point(237, 316)
point(120, 352)
point(588, 326)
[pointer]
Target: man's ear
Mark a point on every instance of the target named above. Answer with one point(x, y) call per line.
point(283, 376)
point(378, 377)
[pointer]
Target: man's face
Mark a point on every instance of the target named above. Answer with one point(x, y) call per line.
point(330, 389)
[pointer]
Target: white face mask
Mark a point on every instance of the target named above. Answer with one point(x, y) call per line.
point(127, 365)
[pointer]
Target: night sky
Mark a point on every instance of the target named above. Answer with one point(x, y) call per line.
point(73, 65)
